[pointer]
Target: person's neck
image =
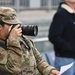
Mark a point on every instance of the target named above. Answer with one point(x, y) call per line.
point(2, 38)
point(72, 5)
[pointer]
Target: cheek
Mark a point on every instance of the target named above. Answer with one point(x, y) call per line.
point(6, 27)
point(5, 31)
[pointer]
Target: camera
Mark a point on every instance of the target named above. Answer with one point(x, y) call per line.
point(29, 30)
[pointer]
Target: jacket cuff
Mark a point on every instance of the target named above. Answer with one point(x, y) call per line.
point(48, 70)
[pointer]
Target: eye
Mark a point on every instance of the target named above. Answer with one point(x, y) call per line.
point(8, 24)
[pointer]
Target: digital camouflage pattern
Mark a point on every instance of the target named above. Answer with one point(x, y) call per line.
point(8, 15)
point(18, 59)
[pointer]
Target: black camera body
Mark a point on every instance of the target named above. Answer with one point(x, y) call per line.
point(29, 30)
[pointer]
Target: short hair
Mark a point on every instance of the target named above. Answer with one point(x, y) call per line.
point(2, 23)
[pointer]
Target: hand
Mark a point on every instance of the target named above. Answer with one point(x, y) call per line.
point(54, 72)
point(16, 32)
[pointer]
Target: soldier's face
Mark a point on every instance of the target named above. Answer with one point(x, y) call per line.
point(4, 31)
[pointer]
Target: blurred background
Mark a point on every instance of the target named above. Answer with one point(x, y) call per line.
point(36, 12)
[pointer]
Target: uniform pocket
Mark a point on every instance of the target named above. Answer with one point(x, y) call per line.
point(3, 56)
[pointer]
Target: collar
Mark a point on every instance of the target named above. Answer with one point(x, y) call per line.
point(68, 8)
point(3, 41)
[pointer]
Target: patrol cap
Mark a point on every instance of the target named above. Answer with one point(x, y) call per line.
point(8, 15)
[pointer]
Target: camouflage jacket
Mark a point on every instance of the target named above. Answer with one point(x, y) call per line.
point(22, 58)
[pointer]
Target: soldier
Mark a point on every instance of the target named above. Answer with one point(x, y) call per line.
point(17, 58)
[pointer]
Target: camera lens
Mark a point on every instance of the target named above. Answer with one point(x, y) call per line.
point(29, 30)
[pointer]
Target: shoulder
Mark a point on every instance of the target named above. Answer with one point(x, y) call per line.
point(28, 41)
point(31, 41)
point(60, 13)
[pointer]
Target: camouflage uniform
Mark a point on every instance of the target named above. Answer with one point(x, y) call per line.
point(18, 56)
point(18, 60)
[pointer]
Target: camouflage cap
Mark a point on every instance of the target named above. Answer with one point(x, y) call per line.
point(8, 15)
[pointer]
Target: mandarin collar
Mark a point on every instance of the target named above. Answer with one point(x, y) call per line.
point(67, 8)
point(2, 40)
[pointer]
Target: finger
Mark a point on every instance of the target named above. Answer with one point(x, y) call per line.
point(19, 30)
point(20, 34)
point(55, 72)
point(10, 28)
point(17, 26)
point(51, 74)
